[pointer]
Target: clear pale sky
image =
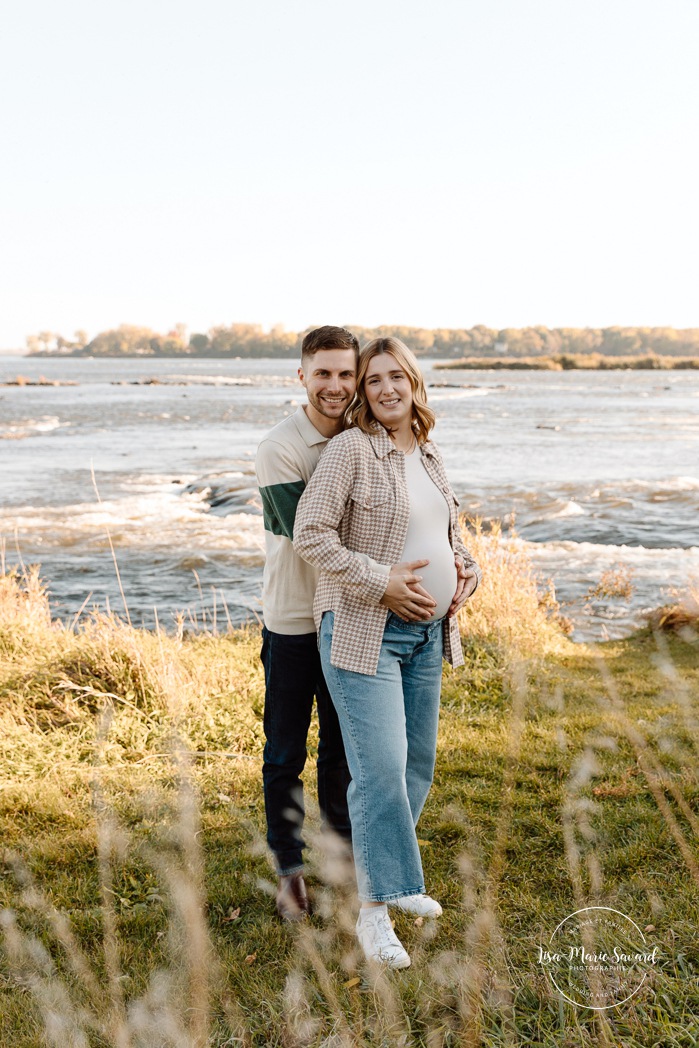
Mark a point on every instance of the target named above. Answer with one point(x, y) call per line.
point(443, 164)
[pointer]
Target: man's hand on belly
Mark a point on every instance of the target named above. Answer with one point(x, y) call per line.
point(466, 582)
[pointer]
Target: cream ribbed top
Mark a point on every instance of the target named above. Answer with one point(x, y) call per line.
point(428, 534)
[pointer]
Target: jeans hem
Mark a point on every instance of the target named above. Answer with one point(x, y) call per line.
point(287, 871)
point(392, 896)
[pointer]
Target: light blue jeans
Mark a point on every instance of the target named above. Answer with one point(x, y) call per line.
point(389, 727)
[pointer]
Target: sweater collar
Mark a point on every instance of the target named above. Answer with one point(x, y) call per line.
point(306, 428)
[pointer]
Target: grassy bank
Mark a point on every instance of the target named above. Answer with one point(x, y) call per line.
point(572, 362)
point(136, 882)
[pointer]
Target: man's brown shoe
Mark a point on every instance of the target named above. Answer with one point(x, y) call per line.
point(292, 898)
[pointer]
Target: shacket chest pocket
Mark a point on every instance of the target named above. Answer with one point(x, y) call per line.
point(370, 499)
point(372, 511)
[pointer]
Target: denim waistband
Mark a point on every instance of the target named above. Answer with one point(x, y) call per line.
point(412, 627)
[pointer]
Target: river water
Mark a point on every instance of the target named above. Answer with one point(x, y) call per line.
point(599, 470)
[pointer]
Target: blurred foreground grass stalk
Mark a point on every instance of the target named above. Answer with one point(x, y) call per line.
point(136, 885)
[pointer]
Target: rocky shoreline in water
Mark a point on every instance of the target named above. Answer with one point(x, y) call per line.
point(562, 362)
point(22, 380)
point(203, 380)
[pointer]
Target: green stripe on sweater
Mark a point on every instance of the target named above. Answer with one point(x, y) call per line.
point(279, 502)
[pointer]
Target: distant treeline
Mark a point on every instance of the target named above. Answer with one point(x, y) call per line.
point(251, 340)
point(577, 362)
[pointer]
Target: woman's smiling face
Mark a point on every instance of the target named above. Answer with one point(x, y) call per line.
point(388, 392)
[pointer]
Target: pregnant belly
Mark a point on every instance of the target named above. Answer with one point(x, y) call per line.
point(439, 577)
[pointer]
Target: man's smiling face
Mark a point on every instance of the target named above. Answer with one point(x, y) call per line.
point(330, 379)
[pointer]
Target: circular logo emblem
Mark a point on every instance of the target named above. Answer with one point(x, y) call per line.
point(597, 958)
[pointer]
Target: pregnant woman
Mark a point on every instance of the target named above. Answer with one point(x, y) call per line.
point(378, 506)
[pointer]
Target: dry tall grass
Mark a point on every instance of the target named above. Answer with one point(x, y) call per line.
point(681, 614)
point(510, 607)
point(117, 753)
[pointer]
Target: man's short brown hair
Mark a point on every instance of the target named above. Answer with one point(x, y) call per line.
point(328, 337)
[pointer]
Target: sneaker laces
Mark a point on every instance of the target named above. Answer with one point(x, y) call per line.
point(385, 936)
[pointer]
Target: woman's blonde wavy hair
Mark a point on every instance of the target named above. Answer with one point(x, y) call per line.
point(361, 415)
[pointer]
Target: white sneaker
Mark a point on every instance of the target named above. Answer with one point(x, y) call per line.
point(378, 940)
point(418, 906)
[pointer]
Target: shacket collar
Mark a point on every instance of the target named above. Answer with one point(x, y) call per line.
point(381, 442)
point(383, 445)
point(306, 428)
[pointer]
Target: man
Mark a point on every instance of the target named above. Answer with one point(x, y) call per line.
point(285, 462)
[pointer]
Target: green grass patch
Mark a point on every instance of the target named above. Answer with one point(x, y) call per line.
point(136, 885)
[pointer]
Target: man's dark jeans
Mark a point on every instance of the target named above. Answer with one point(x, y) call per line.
point(293, 676)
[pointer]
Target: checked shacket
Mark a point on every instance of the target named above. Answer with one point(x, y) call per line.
point(355, 507)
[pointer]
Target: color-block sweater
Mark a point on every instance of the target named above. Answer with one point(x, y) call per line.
point(284, 464)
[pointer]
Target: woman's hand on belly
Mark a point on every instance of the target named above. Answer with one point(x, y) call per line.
point(467, 580)
point(404, 595)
